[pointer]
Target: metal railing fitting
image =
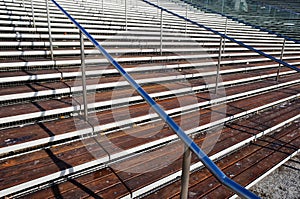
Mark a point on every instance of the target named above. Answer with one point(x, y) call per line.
point(49, 30)
point(185, 176)
point(33, 15)
point(161, 32)
point(83, 77)
point(219, 65)
point(281, 58)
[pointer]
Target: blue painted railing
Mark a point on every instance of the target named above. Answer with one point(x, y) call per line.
point(211, 166)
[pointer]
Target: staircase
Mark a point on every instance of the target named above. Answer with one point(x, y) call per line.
point(248, 124)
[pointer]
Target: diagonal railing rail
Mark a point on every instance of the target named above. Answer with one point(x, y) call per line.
point(211, 166)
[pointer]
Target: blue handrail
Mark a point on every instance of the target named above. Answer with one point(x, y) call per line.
point(226, 37)
point(211, 166)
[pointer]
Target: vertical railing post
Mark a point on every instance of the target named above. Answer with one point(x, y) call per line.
point(186, 162)
point(126, 15)
point(102, 7)
point(83, 76)
point(223, 3)
point(23, 3)
point(219, 65)
point(281, 57)
point(225, 33)
point(32, 13)
point(49, 30)
point(186, 16)
point(161, 32)
point(157, 9)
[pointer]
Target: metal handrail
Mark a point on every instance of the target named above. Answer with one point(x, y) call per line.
point(211, 166)
point(224, 36)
